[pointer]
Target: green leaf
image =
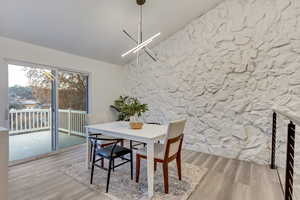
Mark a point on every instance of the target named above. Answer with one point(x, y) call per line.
point(129, 106)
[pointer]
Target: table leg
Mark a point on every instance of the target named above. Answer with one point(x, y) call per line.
point(88, 145)
point(150, 168)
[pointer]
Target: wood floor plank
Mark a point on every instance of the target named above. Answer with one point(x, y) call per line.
point(243, 173)
point(226, 179)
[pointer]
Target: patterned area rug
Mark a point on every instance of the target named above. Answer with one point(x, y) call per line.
point(122, 187)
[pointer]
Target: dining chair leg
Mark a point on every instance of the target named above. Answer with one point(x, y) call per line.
point(102, 162)
point(166, 177)
point(155, 165)
point(93, 167)
point(131, 165)
point(178, 160)
point(91, 152)
point(131, 144)
point(113, 165)
point(137, 168)
point(108, 175)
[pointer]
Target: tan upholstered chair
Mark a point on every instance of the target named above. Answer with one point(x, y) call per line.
point(167, 152)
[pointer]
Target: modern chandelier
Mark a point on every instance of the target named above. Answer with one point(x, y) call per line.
point(141, 45)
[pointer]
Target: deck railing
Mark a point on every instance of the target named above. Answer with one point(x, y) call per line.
point(285, 166)
point(31, 120)
point(72, 121)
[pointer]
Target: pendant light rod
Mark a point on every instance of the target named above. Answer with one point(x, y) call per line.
point(139, 42)
point(140, 33)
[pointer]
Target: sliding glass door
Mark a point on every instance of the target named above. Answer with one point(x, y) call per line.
point(47, 110)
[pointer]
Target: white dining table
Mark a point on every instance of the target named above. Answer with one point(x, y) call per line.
point(149, 134)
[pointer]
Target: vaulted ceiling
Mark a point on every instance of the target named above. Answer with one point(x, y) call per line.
point(93, 28)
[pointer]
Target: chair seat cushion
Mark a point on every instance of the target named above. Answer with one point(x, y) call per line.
point(158, 151)
point(118, 151)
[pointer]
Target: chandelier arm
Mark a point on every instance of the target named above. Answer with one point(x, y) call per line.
point(149, 54)
point(146, 49)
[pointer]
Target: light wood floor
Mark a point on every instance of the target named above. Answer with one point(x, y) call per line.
point(226, 179)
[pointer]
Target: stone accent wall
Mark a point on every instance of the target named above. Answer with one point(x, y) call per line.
point(223, 72)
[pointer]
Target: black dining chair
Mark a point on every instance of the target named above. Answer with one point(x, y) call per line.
point(101, 145)
point(111, 152)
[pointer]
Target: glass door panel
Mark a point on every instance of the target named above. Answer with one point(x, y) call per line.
point(72, 108)
point(29, 111)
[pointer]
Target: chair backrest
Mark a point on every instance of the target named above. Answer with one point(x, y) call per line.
point(173, 140)
point(113, 141)
point(93, 119)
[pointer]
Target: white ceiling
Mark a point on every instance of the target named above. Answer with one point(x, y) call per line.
point(93, 28)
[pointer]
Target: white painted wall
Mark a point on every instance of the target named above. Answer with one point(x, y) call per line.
point(223, 72)
point(107, 79)
point(3, 164)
